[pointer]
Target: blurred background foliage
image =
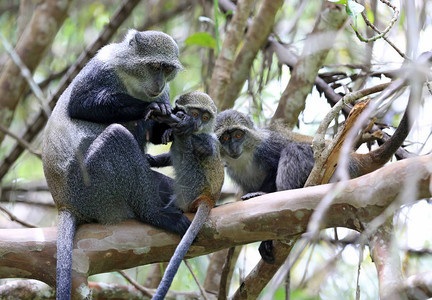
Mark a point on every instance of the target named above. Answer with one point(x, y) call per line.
point(327, 270)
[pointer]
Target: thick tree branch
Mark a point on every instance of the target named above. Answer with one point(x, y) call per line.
point(387, 261)
point(30, 253)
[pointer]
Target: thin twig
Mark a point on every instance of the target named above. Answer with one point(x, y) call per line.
point(373, 27)
point(138, 286)
point(358, 272)
point(15, 219)
point(25, 72)
point(203, 293)
point(19, 140)
point(380, 35)
point(223, 291)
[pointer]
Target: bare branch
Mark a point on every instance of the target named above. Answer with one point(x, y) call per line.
point(387, 261)
point(139, 287)
point(224, 62)
point(203, 292)
point(292, 102)
point(25, 72)
point(20, 141)
point(256, 37)
point(385, 31)
point(15, 219)
point(100, 248)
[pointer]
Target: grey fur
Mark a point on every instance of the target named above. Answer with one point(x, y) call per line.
point(262, 160)
point(94, 143)
point(199, 173)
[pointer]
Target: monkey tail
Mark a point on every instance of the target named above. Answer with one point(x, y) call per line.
point(65, 235)
point(201, 215)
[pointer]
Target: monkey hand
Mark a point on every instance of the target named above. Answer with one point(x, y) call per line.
point(167, 136)
point(185, 126)
point(252, 195)
point(203, 147)
point(157, 109)
point(174, 220)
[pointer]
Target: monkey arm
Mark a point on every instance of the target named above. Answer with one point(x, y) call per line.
point(99, 96)
point(203, 145)
point(106, 107)
point(161, 160)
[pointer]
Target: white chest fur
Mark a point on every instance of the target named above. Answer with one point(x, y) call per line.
point(246, 172)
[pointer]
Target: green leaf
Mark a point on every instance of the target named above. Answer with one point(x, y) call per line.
point(353, 8)
point(202, 39)
point(344, 2)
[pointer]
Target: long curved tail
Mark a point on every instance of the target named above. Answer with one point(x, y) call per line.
point(201, 215)
point(65, 235)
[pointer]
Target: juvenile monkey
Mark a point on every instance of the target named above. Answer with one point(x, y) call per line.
point(199, 172)
point(94, 143)
point(265, 160)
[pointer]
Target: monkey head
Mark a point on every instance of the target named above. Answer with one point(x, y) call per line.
point(201, 108)
point(236, 133)
point(144, 61)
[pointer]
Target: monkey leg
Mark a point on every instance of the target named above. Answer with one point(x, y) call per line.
point(124, 184)
point(295, 164)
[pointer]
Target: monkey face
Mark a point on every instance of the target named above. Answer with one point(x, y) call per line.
point(232, 143)
point(202, 119)
point(158, 74)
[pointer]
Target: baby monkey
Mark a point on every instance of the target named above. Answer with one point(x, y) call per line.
point(199, 171)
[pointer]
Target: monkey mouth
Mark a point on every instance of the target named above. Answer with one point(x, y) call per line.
point(235, 155)
point(154, 94)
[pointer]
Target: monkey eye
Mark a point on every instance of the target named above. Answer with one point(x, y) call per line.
point(206, 117)
point(194, 113)
point(155, 66)
point(225, 137)
point(238, 134)
point(168, 69)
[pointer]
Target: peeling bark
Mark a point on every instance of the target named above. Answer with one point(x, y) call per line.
point(30, 253)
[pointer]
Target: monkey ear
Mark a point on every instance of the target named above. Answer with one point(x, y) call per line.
point(133, 37)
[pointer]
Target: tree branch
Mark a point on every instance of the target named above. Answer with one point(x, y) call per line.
point(39, 121)
point(256, 37)
point(303, 76)
point(31, 47)
point(30, 253)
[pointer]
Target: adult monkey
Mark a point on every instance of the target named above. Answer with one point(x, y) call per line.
point(94, 143)
point(265, 160)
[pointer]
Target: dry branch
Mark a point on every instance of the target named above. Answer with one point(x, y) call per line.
point(30, 253)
